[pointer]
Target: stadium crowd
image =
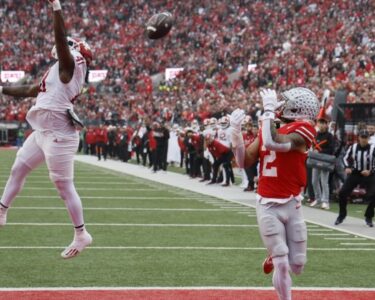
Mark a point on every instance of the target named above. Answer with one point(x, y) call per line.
point(228, 49)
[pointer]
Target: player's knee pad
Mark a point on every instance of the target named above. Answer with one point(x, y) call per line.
point(299, 232)
point(297, 269)
point(270, 230)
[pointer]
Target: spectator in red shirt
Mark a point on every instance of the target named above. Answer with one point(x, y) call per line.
point(101, 135)
point(91, 141)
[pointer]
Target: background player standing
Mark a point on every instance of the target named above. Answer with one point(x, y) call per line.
point(282, 154)
point(55, 139)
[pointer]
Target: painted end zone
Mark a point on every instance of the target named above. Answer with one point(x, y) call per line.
point(182, 294)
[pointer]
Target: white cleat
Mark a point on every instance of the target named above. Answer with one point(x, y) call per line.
point(3, 216)
point(314, 203)
point(325, 205)
point(76, 247)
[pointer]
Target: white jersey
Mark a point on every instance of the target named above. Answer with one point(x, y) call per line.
point(224, 136)
point(55, 97)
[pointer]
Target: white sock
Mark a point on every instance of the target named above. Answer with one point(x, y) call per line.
point(15, 182)
point(72, 201)
point(281, 278)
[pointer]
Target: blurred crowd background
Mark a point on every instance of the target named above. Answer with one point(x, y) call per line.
point(228, 50)
point(318, 44)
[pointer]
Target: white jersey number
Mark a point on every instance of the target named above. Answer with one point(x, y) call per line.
point(269, 158)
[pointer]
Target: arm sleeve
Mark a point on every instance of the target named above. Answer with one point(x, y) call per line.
point(238, 146)
point(269, 143)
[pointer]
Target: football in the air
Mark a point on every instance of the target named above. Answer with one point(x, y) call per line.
point(159, 25)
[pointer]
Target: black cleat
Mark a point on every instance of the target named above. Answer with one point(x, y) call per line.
point(369, 222)
point(339, 221)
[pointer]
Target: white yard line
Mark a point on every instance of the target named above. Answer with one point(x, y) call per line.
point(361, 244)
point(135, 225)
point(346, 238)
point(123, 208)
point(330, 234)
point(86, 189)
point(114, 197)
point(176, 248)
point(194, 288)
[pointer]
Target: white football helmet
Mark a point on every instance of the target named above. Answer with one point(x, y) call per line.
point(195, 125)
point(224, 122)
point(300, 103)
point(77, 45)
point(206, 123)
point(213, 123)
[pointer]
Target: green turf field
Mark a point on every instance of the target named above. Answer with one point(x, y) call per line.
point(147, 234)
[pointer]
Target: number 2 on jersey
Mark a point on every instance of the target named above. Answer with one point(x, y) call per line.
point(267, 159)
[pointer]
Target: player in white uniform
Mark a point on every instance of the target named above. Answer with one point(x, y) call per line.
point(54, 139)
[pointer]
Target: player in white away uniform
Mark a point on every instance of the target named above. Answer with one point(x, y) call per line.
point(55, 139)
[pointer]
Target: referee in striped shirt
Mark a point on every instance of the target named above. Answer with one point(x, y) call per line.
point(359, 162)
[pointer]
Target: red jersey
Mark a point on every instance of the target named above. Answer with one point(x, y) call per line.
point(248, 138)
point(217, 149)
point(195, 140)
point(283, 174)
point(101, 135)
point(90, 137)
point(181, 144)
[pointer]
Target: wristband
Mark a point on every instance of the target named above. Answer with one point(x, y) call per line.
point(268, 115)
point(56, 5)
point(1, 90)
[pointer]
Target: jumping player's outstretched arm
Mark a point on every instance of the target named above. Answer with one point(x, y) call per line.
point(271, 139)
point(20, 91)
point(66, 60)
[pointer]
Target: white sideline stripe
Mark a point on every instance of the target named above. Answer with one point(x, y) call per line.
point(120, 208)
point(195, 288)
point(175, 248)
point(342, 230)
point(135, 225)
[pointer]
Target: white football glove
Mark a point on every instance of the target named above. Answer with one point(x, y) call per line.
point(269, 100)
point(236, 118)
point(55, 4)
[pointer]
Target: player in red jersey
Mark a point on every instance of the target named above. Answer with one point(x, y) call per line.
point(282, 154)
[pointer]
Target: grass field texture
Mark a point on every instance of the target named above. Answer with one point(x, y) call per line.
point(148, 235)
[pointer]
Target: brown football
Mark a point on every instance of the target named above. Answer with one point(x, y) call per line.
point(159, 25)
